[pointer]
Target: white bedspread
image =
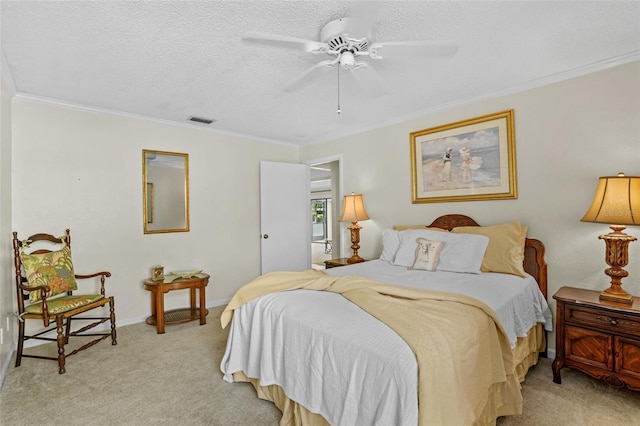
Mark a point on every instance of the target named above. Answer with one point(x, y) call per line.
point(319, 347)
point(340, 362)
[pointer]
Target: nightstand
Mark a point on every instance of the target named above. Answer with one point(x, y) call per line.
point(335, 263)
point(599, 339)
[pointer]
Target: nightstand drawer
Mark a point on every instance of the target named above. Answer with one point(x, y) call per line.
point(601, 319)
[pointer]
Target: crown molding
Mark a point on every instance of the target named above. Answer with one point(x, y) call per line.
point(539, 82)
point(87, 108)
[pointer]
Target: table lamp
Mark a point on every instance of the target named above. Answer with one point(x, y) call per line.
point(353, 211)
point(617, 203)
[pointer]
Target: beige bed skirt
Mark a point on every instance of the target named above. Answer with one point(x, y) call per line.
point(525, 354)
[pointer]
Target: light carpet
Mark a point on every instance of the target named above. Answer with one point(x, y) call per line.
point(175, 379)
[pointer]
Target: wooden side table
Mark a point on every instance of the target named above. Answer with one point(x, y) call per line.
point(335, 263)
point(160, 318)
point(599, 339)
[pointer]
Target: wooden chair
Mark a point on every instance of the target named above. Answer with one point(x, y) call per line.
point(45, 281)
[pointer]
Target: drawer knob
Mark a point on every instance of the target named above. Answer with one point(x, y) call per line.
point(614, 322)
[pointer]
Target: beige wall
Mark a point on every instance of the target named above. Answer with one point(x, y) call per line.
point(7, 294)
point(567, 135)
point(83, 170)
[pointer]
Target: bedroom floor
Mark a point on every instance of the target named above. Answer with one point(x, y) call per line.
point(175, 379)
point(579, 400)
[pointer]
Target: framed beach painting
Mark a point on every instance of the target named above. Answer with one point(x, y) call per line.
point(469, 160)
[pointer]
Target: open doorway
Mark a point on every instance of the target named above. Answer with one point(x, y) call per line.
point(325, 196)
point(321, 232)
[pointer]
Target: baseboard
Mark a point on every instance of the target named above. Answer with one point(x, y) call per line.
point(7, 363)
point(219, 302)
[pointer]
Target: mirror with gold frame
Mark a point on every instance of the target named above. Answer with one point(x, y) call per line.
point(165, 186)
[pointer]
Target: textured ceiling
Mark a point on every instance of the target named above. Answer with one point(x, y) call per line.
point(169, 60)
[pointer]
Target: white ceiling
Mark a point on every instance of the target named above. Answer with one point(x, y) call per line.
point(169, 60)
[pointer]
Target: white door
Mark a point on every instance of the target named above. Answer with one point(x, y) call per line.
point(284, 217)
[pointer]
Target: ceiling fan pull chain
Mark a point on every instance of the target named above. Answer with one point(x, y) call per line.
point(339, 110)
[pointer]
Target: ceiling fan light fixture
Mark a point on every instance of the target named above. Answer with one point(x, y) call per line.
point(347, 60)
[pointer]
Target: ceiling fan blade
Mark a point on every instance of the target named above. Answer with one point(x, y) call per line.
point(438, 48)
point(309, 75)
point(284, 41)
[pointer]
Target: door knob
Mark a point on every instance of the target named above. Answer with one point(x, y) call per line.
point(265, 236)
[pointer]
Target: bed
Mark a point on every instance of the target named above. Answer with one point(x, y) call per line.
point(392, 341)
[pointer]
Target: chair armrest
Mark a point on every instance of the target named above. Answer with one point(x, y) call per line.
point(102, 275)
point(97, 274)
point(32, 288)
point(44, 289)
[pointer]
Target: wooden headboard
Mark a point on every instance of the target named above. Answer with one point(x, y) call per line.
point(534, 263)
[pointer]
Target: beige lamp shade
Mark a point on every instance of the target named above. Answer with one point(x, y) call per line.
point(353, 209)
point(617, 201)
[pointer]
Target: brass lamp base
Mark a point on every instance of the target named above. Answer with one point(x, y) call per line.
point(355, 240)
point(611, 295)
point(617, 256)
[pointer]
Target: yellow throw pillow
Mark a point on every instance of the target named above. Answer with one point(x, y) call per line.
point(505, 252)
point(54, 269)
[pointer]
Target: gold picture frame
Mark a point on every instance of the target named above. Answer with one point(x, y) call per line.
point(149, 206)
point(165, 191)
point(468, 160)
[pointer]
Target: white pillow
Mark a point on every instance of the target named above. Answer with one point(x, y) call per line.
point(461, 253)
point(427, 253)
point(390, 244)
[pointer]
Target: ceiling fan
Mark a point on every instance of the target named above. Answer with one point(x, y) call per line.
point(347, 43)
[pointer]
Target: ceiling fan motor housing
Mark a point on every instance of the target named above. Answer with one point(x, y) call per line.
point(346, 34)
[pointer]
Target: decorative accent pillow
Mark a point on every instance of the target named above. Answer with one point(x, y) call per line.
point(461, 253)
point(390, 243)
point(505, 252)
point(427, 254)
point(54, 269)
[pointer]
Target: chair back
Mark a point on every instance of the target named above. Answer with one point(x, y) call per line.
point(36, 244)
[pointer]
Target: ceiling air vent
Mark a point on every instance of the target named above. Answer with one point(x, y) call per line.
point(201, 120)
